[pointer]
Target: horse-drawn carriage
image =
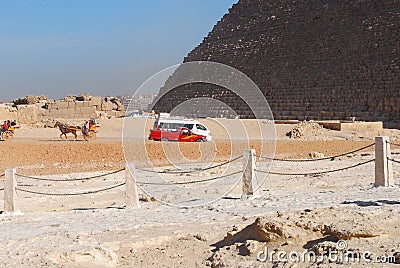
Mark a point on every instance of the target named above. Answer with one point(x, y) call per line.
point(7, 135)
point(89, 134)
point(89, 130)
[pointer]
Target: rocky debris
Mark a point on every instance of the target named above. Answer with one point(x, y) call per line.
point(307, 229)
point(345, 232)
point(305, 130)
point(70, 98)
point(146, 198)
point(250, 248)
point(258, 231)
point(29, 100)
point(7, 110)
point(83, 97)
point(111, 103)
point(8, 106)
point(200, 237)
point(310, 225)
point(324, 247)
point(216, 261)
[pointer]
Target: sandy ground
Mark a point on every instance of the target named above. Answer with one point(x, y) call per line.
point(297, 213)
point(41, 151)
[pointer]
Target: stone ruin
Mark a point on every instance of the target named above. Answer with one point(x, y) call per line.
point(321, 60)
point(37, 109)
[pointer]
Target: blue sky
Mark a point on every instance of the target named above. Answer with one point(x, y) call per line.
point(59, 47)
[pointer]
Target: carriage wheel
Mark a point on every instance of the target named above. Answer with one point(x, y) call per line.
point(90, 136)
point(7, 136)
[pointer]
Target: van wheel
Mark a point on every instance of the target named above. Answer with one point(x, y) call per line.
point(164, 139)
point(199, 140)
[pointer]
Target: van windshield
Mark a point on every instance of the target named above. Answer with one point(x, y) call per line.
point(189, 126)
point(201, 127)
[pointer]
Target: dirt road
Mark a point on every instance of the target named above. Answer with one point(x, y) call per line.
point(57, 157)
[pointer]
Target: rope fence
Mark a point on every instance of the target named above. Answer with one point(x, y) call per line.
point(130, 185)
point(190, 171)
point(1, 176)
point(143, 183)
point(74, 179)
point(389, 158)
point(395, 144)
point(191, 182)
point(317, 159)
point(70, 194)
point(318, 172)
point(382, 159)
point(394, 160)
point(14, 187)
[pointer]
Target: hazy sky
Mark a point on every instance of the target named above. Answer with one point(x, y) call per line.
point(104, 47)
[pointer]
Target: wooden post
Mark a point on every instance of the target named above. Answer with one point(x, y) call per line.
point(383, 167)
point(248, 179)
point(131, 192)
point(10, 194)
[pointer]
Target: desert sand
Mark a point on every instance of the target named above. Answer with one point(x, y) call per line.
point(293, 213)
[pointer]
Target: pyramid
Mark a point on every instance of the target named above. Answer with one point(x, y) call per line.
point(321, 60)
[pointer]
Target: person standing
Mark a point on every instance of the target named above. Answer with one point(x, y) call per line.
point(5, 126)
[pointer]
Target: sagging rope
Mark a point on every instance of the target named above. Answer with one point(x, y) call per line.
point(315, 173)
point(394, 160)
point(395, 144)
point(191, 182)
point(190, 171)
point(75, 179)
point(316, 159)
point(70, 194)
point(1, 189)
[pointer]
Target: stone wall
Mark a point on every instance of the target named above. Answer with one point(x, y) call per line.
point(83, 106)
point(327, 59)
point(32, 109)
point(7, 111)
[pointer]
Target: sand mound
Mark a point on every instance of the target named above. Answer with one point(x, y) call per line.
point(308, 231)
point(346, 231)
point(258, 231)
point(306, 130)
point(97, 257)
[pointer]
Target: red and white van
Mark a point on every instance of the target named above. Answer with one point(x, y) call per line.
point(169, 129)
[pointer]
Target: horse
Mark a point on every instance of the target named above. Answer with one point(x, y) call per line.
point(65, 129)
